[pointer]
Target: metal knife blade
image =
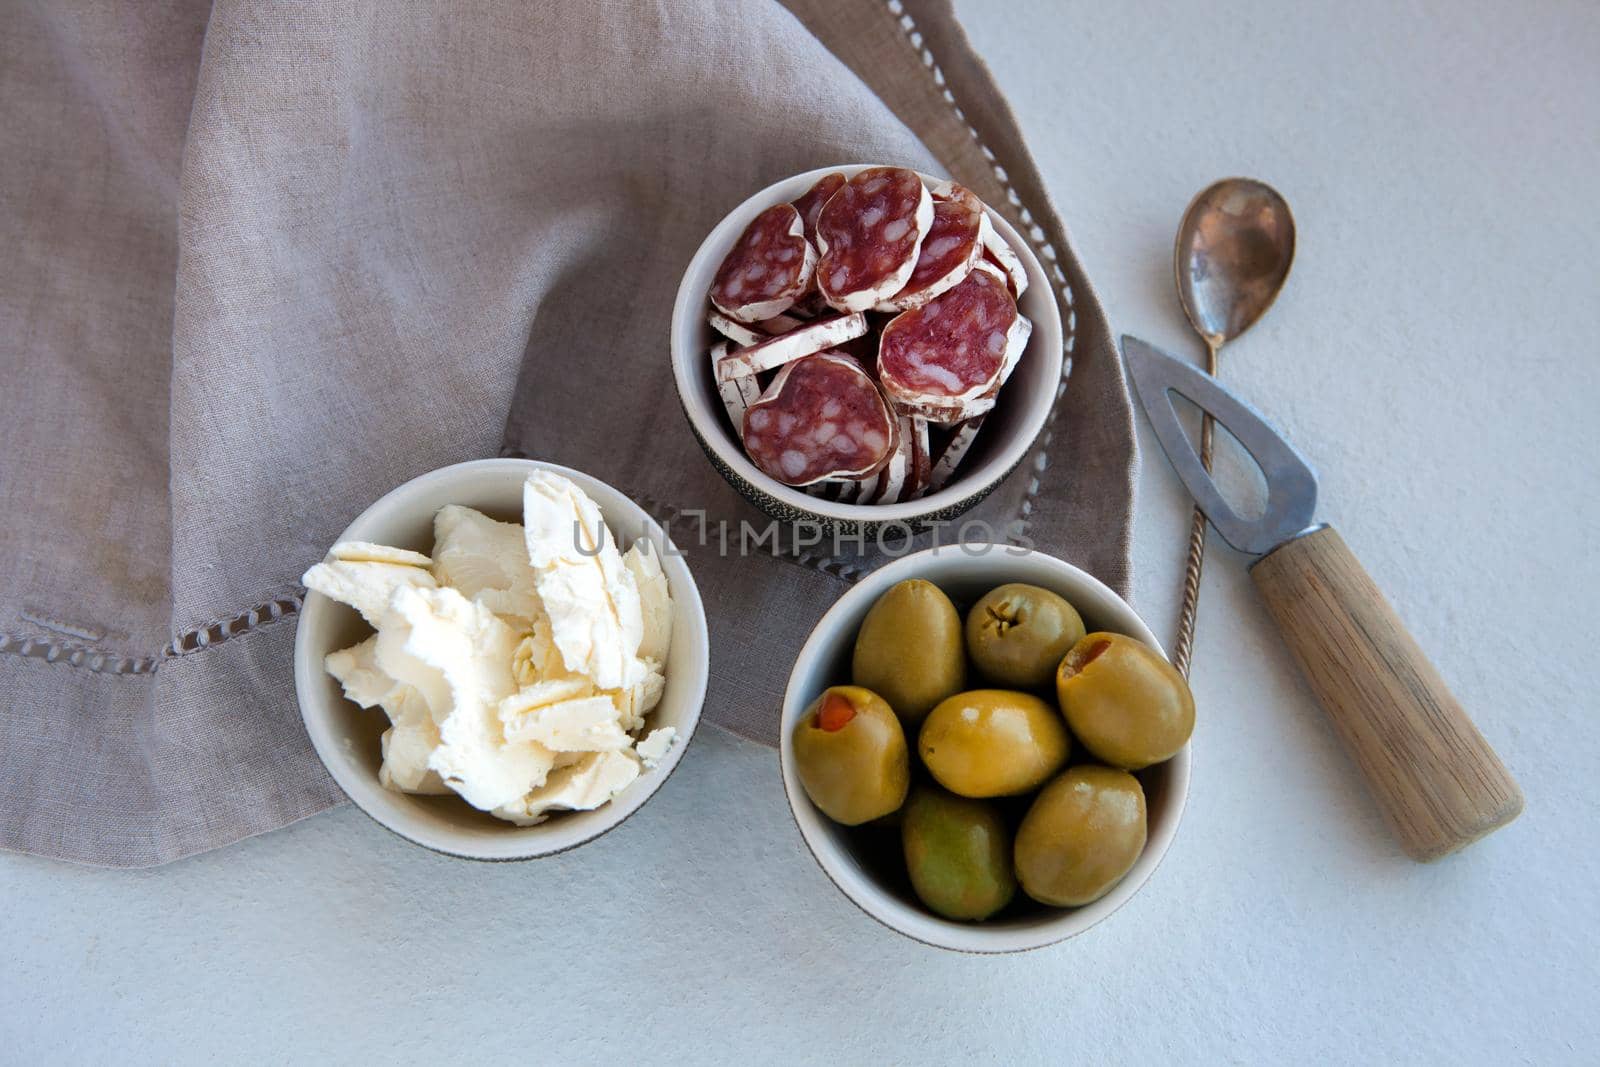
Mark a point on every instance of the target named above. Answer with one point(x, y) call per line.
point(1291, 483)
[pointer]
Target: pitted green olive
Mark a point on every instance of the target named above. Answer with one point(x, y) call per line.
point(1017, 634)
point(909, 649)
point(851, 757)
point(993, 742)
point(1126, 704)
point(958, 853)
point(1082, 834)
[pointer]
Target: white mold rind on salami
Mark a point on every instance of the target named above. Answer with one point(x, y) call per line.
point(737, 332)
point(951, 351)
point(1016, 344)
point(806, 340)
point(737, 393)
point(921, 460)
point(995, 246)
point(870, 233)
point(948, 253)
point(745, 335)
point(955, 450)
point(770, 266)
point(822, 418)
point(897, 472)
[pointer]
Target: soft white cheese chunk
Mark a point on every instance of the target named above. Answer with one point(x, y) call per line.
point(407, 744)
point(356, 669)
point(471, 649)
point(592, 780)
point(634, 702)
point(366, 586)
point(368, 552)
point(484, 559)
point(656, 745)
point(582, 724)
point(655, 601)
point(587, 593)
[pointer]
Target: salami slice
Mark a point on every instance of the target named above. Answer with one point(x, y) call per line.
point(897, 472)
point(821, 418)
point(810, 205)
point(955, 450)
point(948, 252)
point(870, 232)
point(737, 393)
point(939, 357)
point(813, 337)
point(921, 460)
point(769, 268)
point(1000, 254)
point(745, 335)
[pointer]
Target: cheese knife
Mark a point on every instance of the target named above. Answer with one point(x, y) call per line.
point(1439, 784)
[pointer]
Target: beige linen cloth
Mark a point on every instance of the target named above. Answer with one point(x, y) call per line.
point(263, 262)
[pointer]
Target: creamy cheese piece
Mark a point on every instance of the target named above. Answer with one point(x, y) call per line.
point(655, 601)
point(636, 701)
point(365, 585)
point(581, 724)
point(655, 745)
point(484, 559)
point(367, 552)
point(356, 669)
point(471, 649)
point(588, 595)
point(410, 740)
point(595, 778)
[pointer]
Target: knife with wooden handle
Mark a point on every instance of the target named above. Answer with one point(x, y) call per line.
point(1438, 782)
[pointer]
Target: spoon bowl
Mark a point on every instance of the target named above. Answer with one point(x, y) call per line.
point(1234, 250)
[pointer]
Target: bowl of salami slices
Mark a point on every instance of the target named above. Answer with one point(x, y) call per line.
point(866, 345)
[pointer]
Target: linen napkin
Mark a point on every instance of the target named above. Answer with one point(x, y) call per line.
point(265, 262)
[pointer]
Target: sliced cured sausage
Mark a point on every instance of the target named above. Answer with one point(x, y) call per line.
point(955, 450)
point(810, 205)
point(769, 268)
point(1000, 254)
point(897, 472)
point(921, 460)
point(806, 340)
point(937, 360)
point(948, 252)
point(737, 393)
point(745, 335)
point(821, 418)
point(869, 233)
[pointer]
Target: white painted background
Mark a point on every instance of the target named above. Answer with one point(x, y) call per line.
point(1436, 354)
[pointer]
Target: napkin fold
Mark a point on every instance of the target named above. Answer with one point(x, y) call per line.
point(265, 263)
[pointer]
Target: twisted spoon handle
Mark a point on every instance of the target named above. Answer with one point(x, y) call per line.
point(1183, 646)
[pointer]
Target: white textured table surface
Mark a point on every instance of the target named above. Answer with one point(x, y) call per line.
point(1437, 354)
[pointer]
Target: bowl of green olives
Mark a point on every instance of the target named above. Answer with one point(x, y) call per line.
point(985, 748)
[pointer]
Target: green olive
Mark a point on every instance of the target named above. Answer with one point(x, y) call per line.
point(993, 742)
point(1127, 704)
point(909, 649)
point(1018, 633)
point(851, 757)
point(958, 853)
point(1083, 833)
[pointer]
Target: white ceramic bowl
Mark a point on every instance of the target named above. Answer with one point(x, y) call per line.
point(346, 736)
point(863, 874)
point(1018, 418)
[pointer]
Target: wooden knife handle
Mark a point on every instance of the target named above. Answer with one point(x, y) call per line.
point(1437, 780)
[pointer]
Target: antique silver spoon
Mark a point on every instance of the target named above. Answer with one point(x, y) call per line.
point(1234, 250)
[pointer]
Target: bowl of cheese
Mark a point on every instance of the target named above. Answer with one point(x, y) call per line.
point(501, 659)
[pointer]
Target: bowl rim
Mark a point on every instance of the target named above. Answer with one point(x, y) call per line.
point(517, 843)
point(689, 307)
point(889, 910)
